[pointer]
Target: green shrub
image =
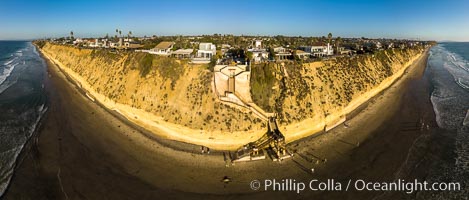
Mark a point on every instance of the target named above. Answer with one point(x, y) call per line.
point(145, 64)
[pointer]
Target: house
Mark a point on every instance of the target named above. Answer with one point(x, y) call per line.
point(258, 44)
point(206, 50)
point(378, 45)
point(347, 52)
point(94, 43)
point(318, 50)
point(281, 53)
point(132, 45)
point(105, 43)
point(301, 54)
point(162, 49)
point(78, 41)
point(259, 55)
point(182, 53)
point(225, 48)
point(279, 49)
point(205, 53)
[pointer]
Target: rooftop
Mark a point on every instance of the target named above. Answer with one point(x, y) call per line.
point(164, 45)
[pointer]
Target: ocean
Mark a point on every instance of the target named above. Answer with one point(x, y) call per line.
point(23, 102)
point(448, 65)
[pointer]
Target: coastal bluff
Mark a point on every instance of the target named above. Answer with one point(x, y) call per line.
point(174, 99)
point(315, 97)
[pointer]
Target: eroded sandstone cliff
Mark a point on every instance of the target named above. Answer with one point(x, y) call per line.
point(298, 91)
point(307, 97)
point(179, 92)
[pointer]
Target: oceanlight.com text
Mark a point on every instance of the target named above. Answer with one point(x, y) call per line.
point(292, 185)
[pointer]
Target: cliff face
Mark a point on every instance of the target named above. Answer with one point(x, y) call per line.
point(317, 90)
point(161, 92)
point(178, 92)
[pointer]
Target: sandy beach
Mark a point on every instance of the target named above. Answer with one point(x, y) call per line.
point(82, 151)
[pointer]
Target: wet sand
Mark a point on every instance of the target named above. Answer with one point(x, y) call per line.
point(84, 152)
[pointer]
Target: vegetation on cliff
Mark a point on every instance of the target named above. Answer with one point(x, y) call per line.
point(298, 91)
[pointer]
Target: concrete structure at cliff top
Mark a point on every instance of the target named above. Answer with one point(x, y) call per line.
point(232, 84)
point(232, 81)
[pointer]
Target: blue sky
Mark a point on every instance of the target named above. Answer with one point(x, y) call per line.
point(431, 19)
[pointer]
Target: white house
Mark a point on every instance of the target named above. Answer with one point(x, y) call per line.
point(105, 43)
point(281, 53)
point(205, 53)
point(94, 43)
point(162, 49)
point(206, 50)
point(280, 49)
point(319, 50)
point(258, 44)
point(78, 41)
point(259, 55)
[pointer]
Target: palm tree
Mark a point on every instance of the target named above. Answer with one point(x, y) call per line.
point(329, 37)
point(120, 33)
point(338, 40)
point(71, 35)
point(130, 34)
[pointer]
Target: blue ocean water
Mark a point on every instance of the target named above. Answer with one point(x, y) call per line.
point(22, 102)
point(449, 66)
point(450, 63)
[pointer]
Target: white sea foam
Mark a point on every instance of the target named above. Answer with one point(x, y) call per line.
point(19, 53)
point(7, 72)
point(459, 63)
point(462, 84)
point(466, 119)
point(10, 156)
point(434, 101)
point(10, 61)
point(7, 69)
point(448, 100)
point(457, 67)
point(444, 95)
point(8, 167)
point(41, 108)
